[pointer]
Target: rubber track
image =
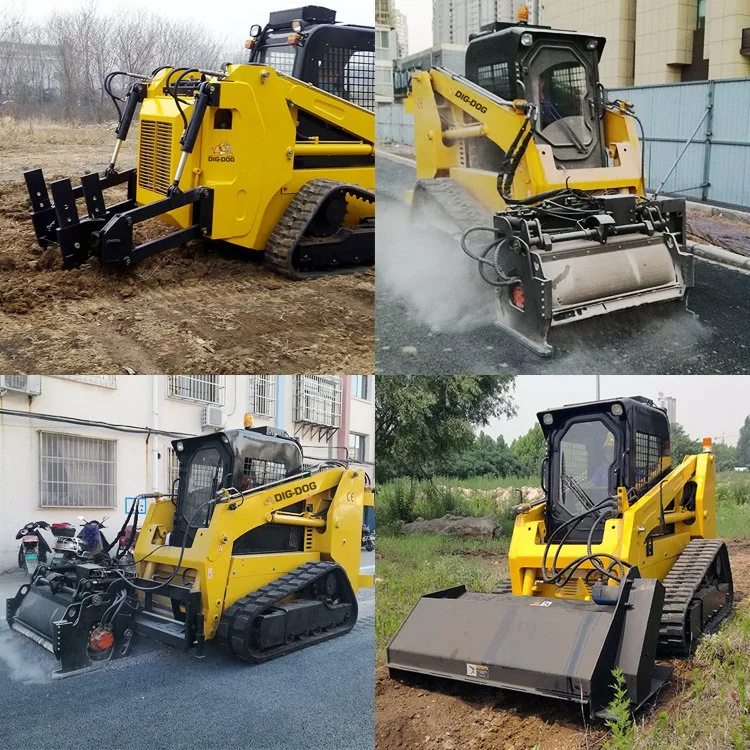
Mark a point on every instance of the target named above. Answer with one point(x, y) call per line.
point(239, 616)
point(295, 220)
point(504, 587)
point(457, 202)
point(681, 584)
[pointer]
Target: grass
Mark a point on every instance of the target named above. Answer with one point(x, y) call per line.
point(408, 567)
point(714, 712)
point(26, 133)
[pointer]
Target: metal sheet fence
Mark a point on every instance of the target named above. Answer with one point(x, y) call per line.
point(709, 120)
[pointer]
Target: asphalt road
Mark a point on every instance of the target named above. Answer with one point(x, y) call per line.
point(434, 313)
point(320, 698)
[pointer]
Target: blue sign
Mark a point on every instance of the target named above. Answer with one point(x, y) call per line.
point(141, 506)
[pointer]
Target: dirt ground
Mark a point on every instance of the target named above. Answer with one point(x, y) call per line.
point(191, 309)
point(445, 715)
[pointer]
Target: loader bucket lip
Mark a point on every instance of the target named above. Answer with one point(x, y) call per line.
point(552, 647)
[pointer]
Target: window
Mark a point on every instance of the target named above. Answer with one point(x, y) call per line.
point(701, 23)
point(359, 79)
point(494, 78)
point(587, 452)
point(647, 459)
point(173, 469)
point(204, 478)
point(562, 92)
point(106, 381)
point(360, 386)
point(318, 399)
point(263, 395)
point(204, 388)
point(76, 472)
point(357, 448)
point(257, 472)
point(281, 59)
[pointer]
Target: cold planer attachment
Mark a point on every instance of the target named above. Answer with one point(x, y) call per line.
point(558, 648)
point(275, 156)
point(254, 551)
point(617, 564)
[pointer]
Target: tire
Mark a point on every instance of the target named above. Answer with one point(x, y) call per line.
point(21, 558)
point(369, 545)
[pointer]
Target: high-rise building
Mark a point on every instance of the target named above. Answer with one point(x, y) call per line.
point(662, 41)
point(402, 33)
point(669, 404)
point(454, 20)
point(385, 50)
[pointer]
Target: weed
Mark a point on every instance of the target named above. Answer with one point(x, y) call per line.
point(621, 725)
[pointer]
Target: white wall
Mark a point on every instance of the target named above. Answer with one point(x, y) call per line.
point(130, 403)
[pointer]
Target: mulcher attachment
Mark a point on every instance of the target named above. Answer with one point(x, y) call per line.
point(62, 612)
point(560, 648)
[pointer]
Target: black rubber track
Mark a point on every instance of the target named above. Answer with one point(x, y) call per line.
point(294, 224)
point(682, 582)
point(236, 624)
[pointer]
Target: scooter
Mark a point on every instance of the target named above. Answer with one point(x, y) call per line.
point(34, 548)
point(368, 538)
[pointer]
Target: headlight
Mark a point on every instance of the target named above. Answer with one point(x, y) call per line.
point(592, 44)
point(255, 30)
point(526, 39)
point(548, 419)
point(297, 25)
point(179, 447)
point(617, 409)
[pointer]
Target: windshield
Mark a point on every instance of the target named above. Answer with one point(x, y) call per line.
point(204, 477)
point(587, 463)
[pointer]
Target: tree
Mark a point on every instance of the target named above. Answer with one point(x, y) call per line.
point(421, 420)
point(743, 444)
point(682, 444)
point(530, 450)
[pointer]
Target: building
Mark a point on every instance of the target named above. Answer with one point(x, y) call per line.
point(669, 404)
point(385, 50)
point(83, 445)
point(454, 20)
point(402, 33)
point(662, 41)
point(449, 56)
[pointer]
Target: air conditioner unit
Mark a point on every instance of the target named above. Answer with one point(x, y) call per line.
point(30, 385)
point(213, 417)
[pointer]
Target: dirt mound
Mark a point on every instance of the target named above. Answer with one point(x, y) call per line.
point(445, 715)
point(195, 308)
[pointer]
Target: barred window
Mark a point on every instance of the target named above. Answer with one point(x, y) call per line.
point(349, 74)
point(562, 92)
point(318, 399)
point(357, 445)
point(173, 468)
point(647, 459)
point(207, 389)
point(77, 472)
point(106, 381)
point(256, 472)
point(360, 386)
point(262, 397)
point(494, 78)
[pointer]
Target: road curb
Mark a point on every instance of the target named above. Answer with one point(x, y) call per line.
point(396, 157)
point(720, 255)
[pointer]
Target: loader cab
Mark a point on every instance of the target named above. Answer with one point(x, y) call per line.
point(241, 459)
point(557, 72)
point(596, 447)
point(306, 43)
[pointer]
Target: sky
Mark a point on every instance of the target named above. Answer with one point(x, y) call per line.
point(230, 19)
point(419, 20)
point(707, 405)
